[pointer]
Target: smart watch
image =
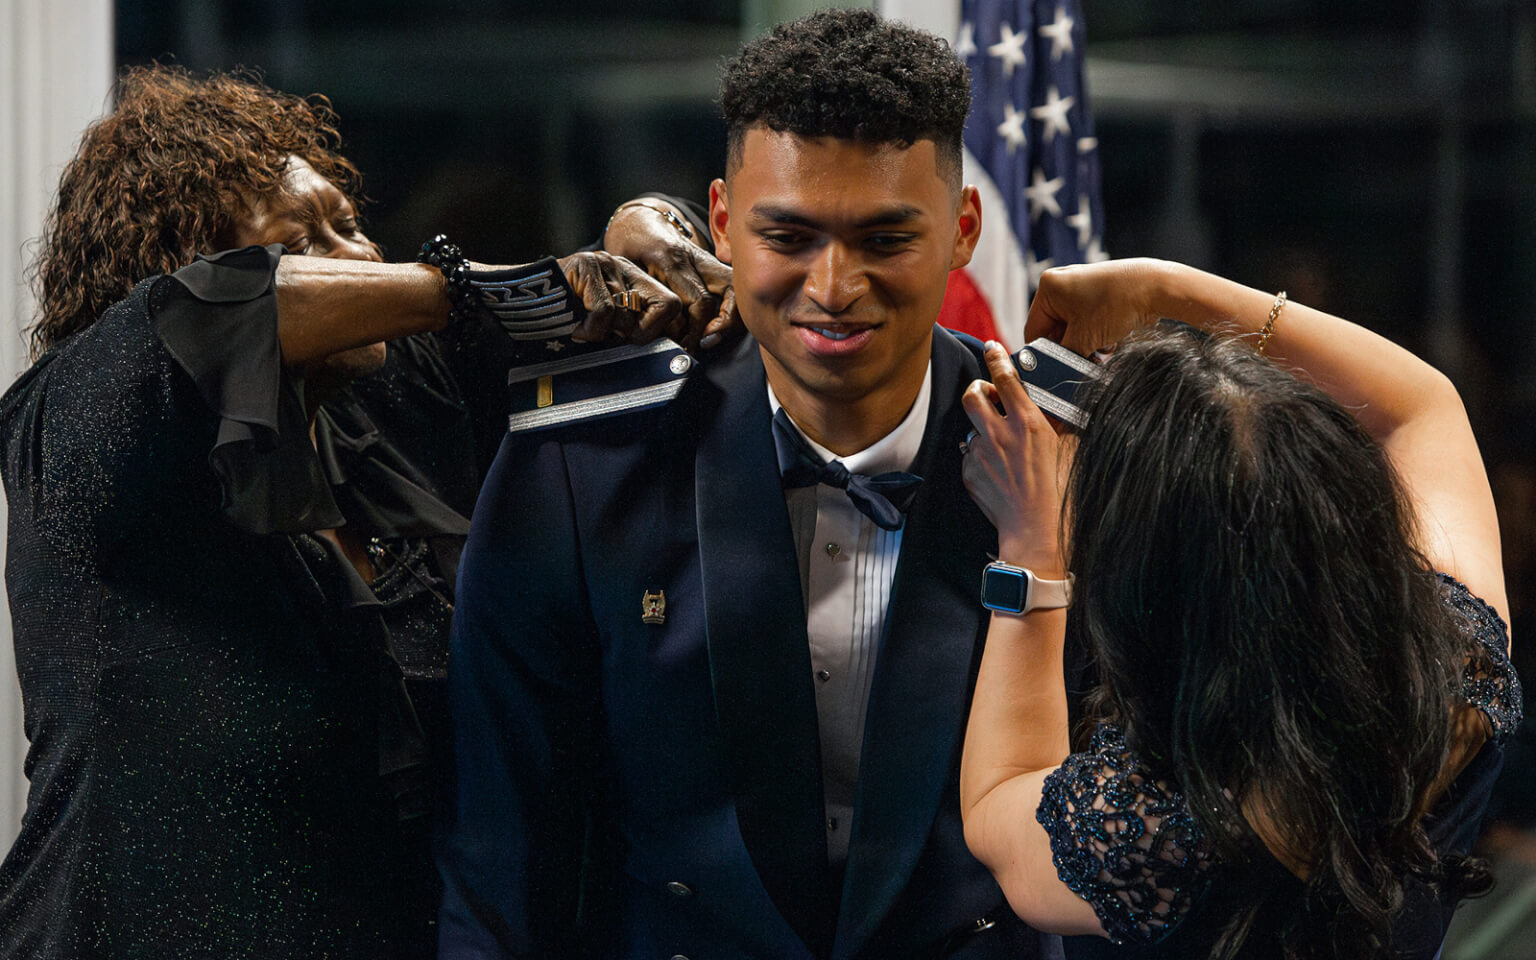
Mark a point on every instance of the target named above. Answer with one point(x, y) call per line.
point(1006, 588)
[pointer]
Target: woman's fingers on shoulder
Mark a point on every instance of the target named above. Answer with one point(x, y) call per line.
point(618, 296)
point(1088, 306)
point(1000, 366)
point(658, 306)
point(1042, 324)
point(1011, 394)
point(977, 481)
point(584, 273)
point(715, 274)
point(1060, 307)
point(980, 403)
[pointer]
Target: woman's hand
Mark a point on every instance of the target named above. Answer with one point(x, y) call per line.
point(647, 233)
point(1091, 306)
point(620, 298)
point(1015, 468)
point(1017, 730)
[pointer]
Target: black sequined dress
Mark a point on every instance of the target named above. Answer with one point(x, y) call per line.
point(223, 760)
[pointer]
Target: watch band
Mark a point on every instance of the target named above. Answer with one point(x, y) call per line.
point(1006, 588)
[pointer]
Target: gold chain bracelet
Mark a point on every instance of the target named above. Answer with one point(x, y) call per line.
point(666, 214)
point(1269, 325)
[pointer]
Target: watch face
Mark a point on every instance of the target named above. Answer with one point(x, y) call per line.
point(1004, 588)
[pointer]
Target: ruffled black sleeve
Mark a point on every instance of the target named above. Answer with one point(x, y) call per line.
point(1123, 840)
point(218, 319)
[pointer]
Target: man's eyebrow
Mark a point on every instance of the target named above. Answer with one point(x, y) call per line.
point(773, 213)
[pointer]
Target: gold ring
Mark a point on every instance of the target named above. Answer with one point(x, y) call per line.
point(628, 300)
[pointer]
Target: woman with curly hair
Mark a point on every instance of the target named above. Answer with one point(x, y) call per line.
point(1285, 568)
point(230, 566)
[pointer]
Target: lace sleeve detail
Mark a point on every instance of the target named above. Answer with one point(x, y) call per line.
point(1488, 679)
point(1123, 840)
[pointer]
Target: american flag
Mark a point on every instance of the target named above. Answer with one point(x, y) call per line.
point(1031, 152)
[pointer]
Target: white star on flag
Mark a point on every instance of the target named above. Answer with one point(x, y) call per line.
point(1053, 114)
point(1059, 33)
point(1082, 220)
point(965, 45)
point(1036, 267)
point(1042, 195)
point(1095, 252)
point(1010, 50)
point(1012, 128)
point(1016, 52)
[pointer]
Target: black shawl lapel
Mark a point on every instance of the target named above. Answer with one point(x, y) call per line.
point(918, 703)
point(758, 652)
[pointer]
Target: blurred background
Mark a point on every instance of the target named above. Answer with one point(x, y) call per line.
point(1375, 158)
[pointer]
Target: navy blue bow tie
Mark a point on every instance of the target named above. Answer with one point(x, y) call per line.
point(883, 498)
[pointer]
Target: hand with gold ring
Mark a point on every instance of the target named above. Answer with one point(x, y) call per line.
point(628, 299)
point(622, 300)
point(657, 236)
point(1015, 467)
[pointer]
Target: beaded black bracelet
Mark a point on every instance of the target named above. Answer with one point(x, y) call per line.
point(532, 303)
point(450, 261)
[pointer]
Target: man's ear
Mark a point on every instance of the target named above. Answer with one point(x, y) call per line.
point(719, 217)
point(967, 228)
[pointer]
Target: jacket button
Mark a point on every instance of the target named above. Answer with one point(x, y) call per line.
point(678, 956)
point(681, 890)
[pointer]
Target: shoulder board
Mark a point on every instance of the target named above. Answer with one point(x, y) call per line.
point(1051, 374)
point(601, 381)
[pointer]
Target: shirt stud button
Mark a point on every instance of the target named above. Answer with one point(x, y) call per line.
point(833, 550)
point(823, 675)
point(680, 889)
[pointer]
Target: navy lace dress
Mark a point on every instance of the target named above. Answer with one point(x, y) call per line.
point(1124, 840)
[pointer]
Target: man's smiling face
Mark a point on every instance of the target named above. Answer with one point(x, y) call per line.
point(840, 251)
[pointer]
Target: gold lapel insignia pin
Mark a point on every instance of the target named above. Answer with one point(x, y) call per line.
point(653, 607)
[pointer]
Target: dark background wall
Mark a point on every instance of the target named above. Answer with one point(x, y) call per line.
point(1374, 158)
point(513, 127)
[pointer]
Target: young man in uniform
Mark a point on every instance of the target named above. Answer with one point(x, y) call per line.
point(731, 642)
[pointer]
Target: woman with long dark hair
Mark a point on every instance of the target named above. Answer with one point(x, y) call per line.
point(1285, 570)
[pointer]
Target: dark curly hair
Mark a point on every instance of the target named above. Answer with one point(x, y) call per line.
point(1264, 626)
point(162, 178)
point(851, 75)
